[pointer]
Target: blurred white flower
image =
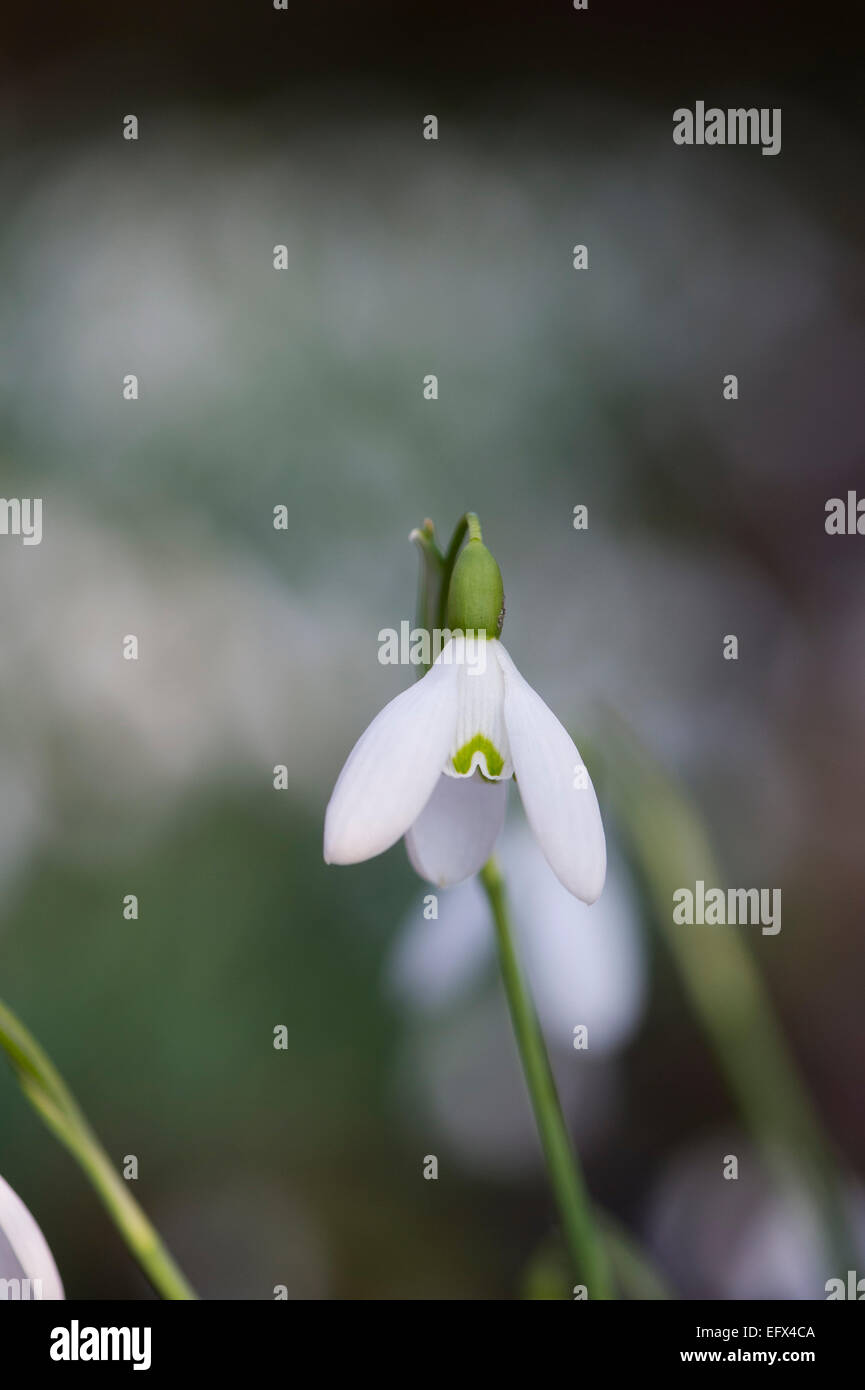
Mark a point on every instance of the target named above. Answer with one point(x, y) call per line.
point(27, 1268)
point(586, 966)
point(462, 1084)
point(748, 1238)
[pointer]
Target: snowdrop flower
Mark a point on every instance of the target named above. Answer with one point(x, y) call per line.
point(434, 765)
point(26, 1263)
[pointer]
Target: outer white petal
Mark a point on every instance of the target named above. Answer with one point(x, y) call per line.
point(564, 817)
point(455, 832)
point(24, 1252)
point(393, 768)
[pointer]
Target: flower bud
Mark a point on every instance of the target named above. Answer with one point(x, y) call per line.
point(476, 599)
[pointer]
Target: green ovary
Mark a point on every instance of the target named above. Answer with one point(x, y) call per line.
point(462, 759)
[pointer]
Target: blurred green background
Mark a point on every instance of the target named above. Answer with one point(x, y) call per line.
point(259, 647)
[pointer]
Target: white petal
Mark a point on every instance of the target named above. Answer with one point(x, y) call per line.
point(24, 1252)
point(393, 768)
point(435, 961)
point(455, 832)
point(480, 739)
point(563, 814)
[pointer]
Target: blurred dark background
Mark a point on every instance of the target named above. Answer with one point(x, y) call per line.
point(258, 647)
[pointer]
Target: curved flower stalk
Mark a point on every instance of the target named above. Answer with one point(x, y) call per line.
point(48, 1093)
point(27, 1268)
point(434, 766)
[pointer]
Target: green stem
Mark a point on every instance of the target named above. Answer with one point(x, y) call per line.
point(545, 1276)
point(44, 1087)
point(568, 1185)
point(635, 1275)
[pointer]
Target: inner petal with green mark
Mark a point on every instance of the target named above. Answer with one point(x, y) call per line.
point(464, 759)
point(480, 737)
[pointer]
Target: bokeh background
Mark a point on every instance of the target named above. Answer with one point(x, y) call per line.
point(259, 647)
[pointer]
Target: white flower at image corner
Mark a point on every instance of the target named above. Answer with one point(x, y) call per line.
point(27, 1268)
point(434, 766)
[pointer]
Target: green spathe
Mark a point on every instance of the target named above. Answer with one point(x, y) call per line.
point(476, 598)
